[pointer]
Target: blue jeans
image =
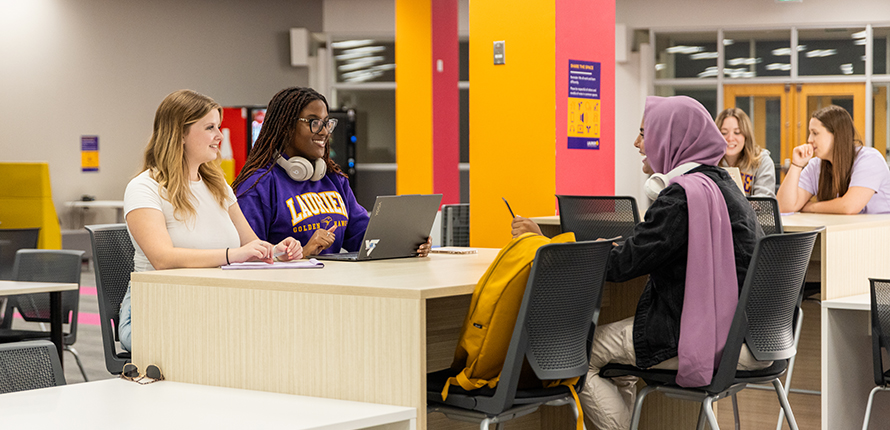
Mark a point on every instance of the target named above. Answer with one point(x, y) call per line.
point(123, 329)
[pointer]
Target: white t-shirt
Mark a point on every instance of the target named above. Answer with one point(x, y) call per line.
point(211, 227)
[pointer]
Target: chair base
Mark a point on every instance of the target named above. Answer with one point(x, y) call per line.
point(871, 398)
point(485, 420)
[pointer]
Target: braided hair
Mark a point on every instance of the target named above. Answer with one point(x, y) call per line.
point(279, 129)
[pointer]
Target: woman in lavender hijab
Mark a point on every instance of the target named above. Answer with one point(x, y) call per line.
point(698, 215)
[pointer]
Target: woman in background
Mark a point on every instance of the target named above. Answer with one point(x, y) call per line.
point(290, 186)
point(180, 212)
point(755, 165)
point(844, 176)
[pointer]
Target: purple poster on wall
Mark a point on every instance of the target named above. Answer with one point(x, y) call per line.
point(584, 105)
point(89, 153)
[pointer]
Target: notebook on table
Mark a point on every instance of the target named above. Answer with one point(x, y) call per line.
point(397, 225)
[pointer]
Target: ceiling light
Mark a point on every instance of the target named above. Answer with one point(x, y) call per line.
point(660, 66)
point(727, 42)
point(743, 61)
point(778, 66)
point(860, 41)
point(346, 44)
point(360, 63)
point(858, 35)
point(847, 69)
point(703, 56)
point(683, 49)
point(817, 53)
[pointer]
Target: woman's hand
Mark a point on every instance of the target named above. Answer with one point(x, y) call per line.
point(322, 239)
point(289, 249)
point(255, 250)
point(424, 249)
point(522, 225)
point(801, 155)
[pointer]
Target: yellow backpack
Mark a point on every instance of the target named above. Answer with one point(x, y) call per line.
point(494, 307)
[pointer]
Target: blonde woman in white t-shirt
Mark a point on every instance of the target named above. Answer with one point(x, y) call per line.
point(180, 211)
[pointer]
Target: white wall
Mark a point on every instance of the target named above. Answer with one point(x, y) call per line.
point(96, 67)
point(375, 17)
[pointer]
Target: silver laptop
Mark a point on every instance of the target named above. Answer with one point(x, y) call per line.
point(398, 225)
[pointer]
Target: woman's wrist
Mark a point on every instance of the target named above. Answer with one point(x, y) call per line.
point(798, 166)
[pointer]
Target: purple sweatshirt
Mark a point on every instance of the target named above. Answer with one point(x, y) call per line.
point(277, 207)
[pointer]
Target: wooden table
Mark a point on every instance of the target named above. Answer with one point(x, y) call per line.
point(363, 331)
point(125, 405)
point(10, 288)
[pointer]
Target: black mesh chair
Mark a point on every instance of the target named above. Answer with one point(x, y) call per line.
point(553, 332)
point(29, 365)
point(598, 217)
point(880, 338)
point(45, 265)
point(456, 225)
point(768, 215)
point(764, 320)
point(113, 260)
point(15, 239)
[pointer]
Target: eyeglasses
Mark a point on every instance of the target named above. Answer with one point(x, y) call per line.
point(316, 124)
point(152, 373)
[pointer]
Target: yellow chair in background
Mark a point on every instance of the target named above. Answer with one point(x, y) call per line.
point(26, 201)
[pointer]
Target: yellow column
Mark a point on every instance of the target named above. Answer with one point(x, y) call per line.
point(414, 94)
point(512, 138)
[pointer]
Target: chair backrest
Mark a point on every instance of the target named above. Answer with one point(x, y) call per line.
point(456, 225)
point(48, 265)
point(598, 217)
point(764, 318)
point(880, 324)
point(113, 260)
point(767, 210)
point(15, 239)
point(29, 365)
point(555, 325)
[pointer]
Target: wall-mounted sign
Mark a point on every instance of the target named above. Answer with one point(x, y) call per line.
point(584, 105)
point(89, 153)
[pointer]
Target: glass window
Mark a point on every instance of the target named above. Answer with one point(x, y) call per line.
point(705, 96)
point(753, 54)
point(686, 55)
point(832, 51)
point(364, 60)
point(881, 36)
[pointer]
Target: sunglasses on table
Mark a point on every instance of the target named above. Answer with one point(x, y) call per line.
point(152, 374)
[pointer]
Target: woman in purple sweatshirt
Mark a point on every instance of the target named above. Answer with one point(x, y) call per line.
point(289, 185)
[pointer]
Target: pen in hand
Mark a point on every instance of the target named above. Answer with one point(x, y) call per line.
point(508, 207)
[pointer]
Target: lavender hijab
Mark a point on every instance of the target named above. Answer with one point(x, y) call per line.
point(679, 130)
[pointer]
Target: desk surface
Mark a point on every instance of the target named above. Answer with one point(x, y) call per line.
point(439, 275)
point(121, 404)
point(795, 222)
point(859, 302)
point(19, 287)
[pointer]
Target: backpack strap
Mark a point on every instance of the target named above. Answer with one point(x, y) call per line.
point(468, 383)
point(579, 425)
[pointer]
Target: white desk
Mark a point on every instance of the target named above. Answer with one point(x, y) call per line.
point(125, 405)
point(847, 369)
point(118, 205)
point(11, 288)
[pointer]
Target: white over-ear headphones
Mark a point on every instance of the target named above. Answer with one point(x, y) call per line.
point(301, 169)
point(658, 181)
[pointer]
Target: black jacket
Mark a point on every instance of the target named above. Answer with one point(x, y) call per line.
point(658, 248)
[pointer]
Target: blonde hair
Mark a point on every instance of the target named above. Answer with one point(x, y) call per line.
point(749, 159)
point(165, 153)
